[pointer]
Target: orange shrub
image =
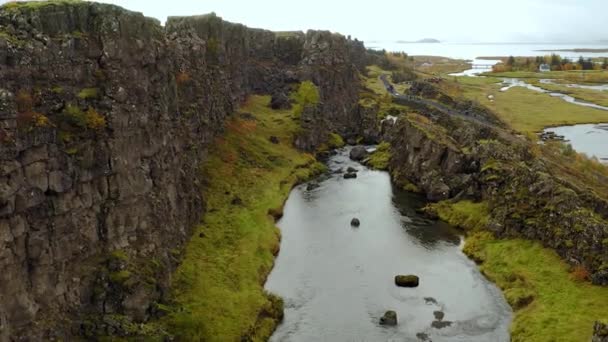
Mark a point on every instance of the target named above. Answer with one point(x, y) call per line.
point(580, 273)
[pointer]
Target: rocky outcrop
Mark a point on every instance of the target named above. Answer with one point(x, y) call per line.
point(104, 118)
point(449, 157)
point(600, 332)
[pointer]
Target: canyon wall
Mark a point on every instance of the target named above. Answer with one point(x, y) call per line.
point(105, 117)
point(458, 157)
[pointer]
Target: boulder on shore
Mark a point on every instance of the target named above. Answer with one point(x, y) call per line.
point(355, 222)
point(406, 280)
point(350, 175)
point(358, 153)
point(389, 318)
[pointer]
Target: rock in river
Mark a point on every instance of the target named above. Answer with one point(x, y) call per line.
point(406, 280)
point(358, 153)
point(351, 169)
point(350, 175)
point(389, 318)
point(355, 222)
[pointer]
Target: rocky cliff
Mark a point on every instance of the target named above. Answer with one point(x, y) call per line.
point(105, 117)
point(455, 157)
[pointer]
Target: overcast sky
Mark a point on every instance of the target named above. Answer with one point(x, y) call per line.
point(389, 20)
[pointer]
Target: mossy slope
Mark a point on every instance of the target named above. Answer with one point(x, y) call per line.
point(218, 289)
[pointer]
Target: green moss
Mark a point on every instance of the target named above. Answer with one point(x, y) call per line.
point(549, 304)
point(15, 5)
point(380, 158)
point(120, 277)
point(306, 95)
point(57, 90)
point(335, 141)
point(88, 93)
point(464, 214)
point(217, 290)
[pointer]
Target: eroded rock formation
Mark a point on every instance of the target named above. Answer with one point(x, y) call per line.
point(105, 116)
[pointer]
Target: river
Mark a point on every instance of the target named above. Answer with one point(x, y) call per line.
point(337, 280)
point(591, 139)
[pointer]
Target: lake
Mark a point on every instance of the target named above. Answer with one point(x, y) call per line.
point(472, 51)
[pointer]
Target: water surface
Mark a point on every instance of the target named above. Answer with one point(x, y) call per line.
point(591, 139)
point(337, 281)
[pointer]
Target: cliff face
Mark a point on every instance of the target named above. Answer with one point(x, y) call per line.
point(528, 195)
point(104, 119)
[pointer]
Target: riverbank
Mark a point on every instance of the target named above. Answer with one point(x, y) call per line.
point(552, 301)
point(218, 290)
point(516, 189)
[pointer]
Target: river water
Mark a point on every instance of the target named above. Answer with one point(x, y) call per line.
point(337, 280)
point(590, 139)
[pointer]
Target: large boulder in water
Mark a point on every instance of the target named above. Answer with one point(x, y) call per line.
point(406, 280)
point(350, 175)
point(389, 318)
point(358, 153)
point(355, 222)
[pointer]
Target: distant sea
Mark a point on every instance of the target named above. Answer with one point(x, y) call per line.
point(472, 51)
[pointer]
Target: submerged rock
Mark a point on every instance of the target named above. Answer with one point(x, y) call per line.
point(441, 324)
point(422, 336)
point(312, 186)
point(406, 280)
point(438, 315)
point(389, 318)
point(358, 153)
point(355, 222)
point(350, 175)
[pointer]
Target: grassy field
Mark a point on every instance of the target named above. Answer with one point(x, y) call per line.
point(550, 304)
point(526, 110)
point(588, 76)
point(440, 66)
point(595, 96)
point(218, 289)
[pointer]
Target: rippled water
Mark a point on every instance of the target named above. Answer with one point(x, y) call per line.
point(590, 139)
point(337, 281)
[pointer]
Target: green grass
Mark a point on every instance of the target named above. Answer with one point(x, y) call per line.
point(529, 111)
point(380, 158)
point(587, 76)
point(37, 4)
point(594, 96)
point(218, 289)
point(335, 141)
point(549, 304)
point(464, 214)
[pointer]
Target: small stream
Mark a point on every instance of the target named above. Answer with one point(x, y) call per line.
point(515, 82)
point(598, 87)
point(337, 280)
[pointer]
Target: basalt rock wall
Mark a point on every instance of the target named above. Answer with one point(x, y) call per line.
point(105, 117)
